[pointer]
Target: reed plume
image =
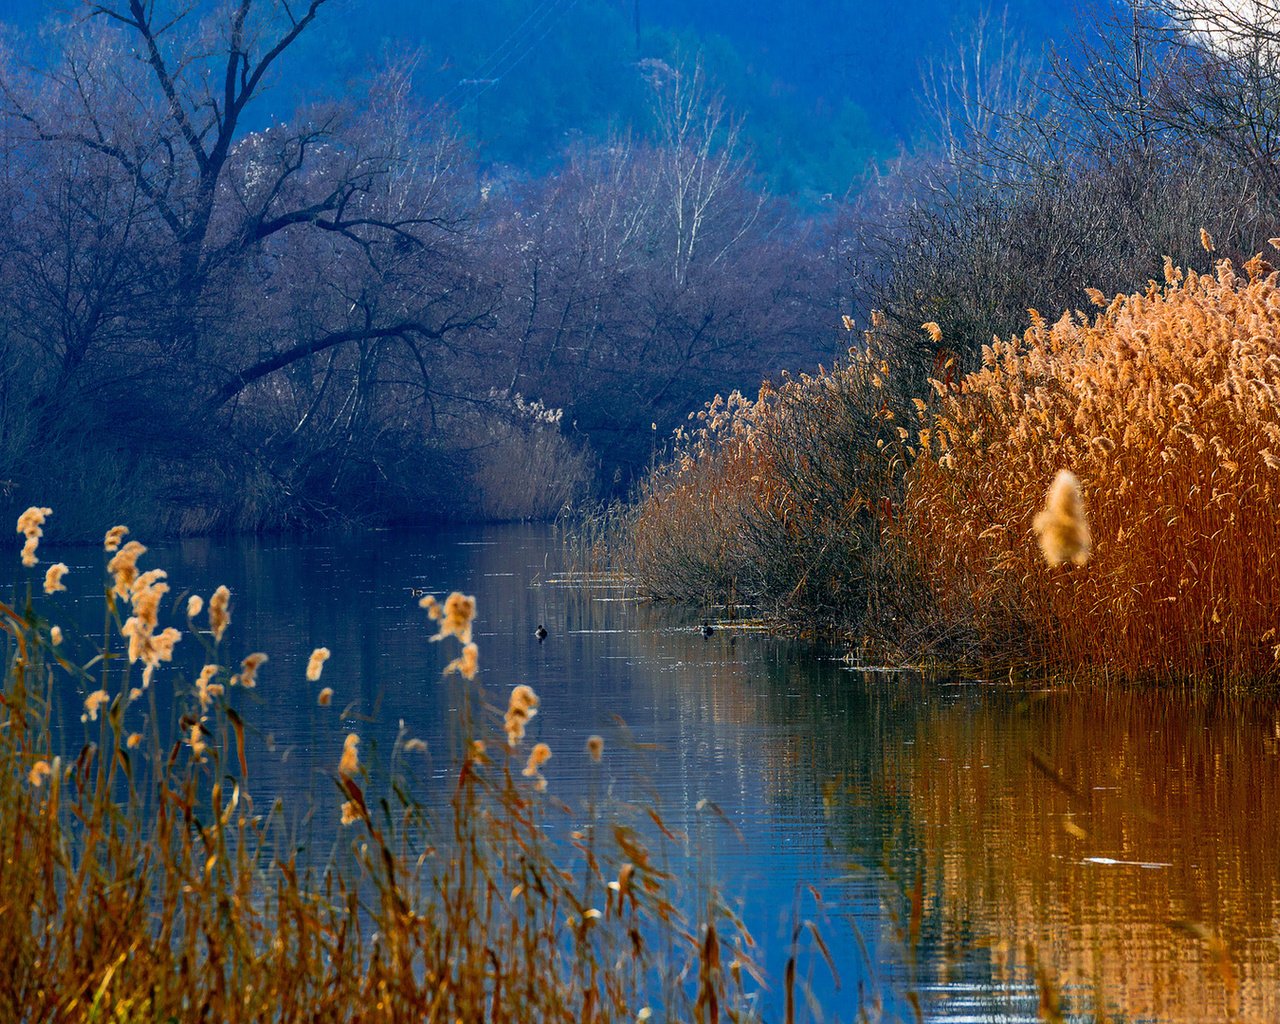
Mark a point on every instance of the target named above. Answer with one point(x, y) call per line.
point(219, 613)
point(350, 763)
point(522, 706)
point(124, 567)
point(53, 578)
point(248, 675)
point(40, 771)
point(315, 665)
point(454, 618)
point(205, 688)
point(93, 704)
point(1061, 527)
point(538, 756)
point(466, 663)
point(31, 526)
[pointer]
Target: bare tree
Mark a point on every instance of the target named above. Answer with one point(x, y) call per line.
point(701, 159)
point(1227, 89)
point(297, 285)
point(972, 95)
point(603, 327)
point(171, 125)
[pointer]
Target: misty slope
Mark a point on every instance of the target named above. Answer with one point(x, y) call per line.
point(826, 85)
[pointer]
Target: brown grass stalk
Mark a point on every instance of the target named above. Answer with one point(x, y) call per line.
point(140, 880)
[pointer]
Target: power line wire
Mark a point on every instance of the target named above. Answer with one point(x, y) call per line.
point(497, 75)
point(503, 49)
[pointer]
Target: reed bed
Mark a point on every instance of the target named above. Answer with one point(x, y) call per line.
point(1096, 498)
point(778, 501)
point(140, 880)
point(1166, 406)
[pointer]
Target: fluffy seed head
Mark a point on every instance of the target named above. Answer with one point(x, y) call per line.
point(53, 578)
point(538, 756)
point(248, 677)
point(113, 538)
point(1061, 526)
point(350, 763)
point(30, 525)
point(31, 521)
point(466, 663)
point(39, 772)
point(93, 704)
point(219, 613)
point(316, 665)
point(456, 617)
point(522, 706)
point(206, 689)
point(124, 567)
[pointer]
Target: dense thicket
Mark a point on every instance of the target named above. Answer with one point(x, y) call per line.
point(339, 314)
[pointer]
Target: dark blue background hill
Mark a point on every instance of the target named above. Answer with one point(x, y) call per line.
point(825, 85)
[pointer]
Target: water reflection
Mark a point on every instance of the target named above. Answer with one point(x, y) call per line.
point(1077, 825)
point(1128, 840)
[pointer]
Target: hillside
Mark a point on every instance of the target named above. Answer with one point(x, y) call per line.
point(825, 85)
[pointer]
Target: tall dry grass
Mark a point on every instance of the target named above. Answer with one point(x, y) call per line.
point(778, 501)
point(140, 880)
point(1166, 405)
point(921, 524)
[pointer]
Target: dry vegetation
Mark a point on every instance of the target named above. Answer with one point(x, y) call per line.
point(777, 501)
point(1164, 405)
point(141, 881)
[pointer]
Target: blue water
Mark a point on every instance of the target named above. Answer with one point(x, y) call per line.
point(804, 789)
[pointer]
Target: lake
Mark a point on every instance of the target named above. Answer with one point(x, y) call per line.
point(953, 839)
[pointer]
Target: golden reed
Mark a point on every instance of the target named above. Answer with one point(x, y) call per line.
point(1166, 405)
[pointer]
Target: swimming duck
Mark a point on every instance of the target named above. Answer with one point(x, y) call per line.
point(707, 628)
point(540, 632)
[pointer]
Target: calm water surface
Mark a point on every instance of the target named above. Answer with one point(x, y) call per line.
point(948, 837)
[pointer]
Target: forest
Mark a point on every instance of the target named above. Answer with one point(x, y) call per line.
point(339, 282)
point(220, 317)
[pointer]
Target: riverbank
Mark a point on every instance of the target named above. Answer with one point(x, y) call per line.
point(462, 910)
point(847, 502)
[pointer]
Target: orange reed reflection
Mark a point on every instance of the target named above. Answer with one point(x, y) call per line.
point(1128, 842)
